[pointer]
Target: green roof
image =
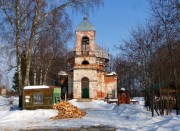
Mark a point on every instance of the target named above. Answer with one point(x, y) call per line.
point(85, 25)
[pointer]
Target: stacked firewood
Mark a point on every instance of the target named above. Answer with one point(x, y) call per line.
point(67, 110)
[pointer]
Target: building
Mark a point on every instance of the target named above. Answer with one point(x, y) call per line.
point(40, 97)
point(87, 77)
point(3, 91)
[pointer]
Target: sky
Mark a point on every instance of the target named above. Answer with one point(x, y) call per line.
point(125, 117)
point(114, 20)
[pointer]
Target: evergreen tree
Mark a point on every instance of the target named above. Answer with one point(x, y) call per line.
point(15, 81)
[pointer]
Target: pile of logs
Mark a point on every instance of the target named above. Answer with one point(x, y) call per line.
point(67, 110)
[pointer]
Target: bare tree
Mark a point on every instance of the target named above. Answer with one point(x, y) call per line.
point(166, 14)
point(152, 53)
point(25, 19)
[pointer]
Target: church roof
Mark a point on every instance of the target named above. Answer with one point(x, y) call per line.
point(85, 25)
point(100, 52)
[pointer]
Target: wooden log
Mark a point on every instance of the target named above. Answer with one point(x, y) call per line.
point(67, 110)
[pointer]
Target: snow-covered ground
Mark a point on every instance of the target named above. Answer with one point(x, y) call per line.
point(123, 117)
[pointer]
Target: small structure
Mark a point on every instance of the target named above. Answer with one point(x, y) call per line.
point(165, 96)
point(123, 97)
point(168, 98)
point(40, 97)
point(3, 91)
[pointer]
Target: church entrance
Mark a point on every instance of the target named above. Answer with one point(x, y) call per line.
point(85, 87)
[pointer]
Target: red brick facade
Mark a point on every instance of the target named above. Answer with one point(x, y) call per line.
point(88, 77)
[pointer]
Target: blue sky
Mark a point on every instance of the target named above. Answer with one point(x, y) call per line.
point(114, 21)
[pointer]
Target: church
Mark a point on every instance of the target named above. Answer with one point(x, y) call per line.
point(86, 68)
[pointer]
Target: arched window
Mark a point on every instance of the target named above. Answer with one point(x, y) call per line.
point(85, 62)
point(85, 45)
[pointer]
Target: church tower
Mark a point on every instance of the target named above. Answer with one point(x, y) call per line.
point(89, 61)
point(85, 38)
point(84, 71)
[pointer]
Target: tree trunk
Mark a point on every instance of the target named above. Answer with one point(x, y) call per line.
point(33, 32)
point(47, 69)
point(18, 54)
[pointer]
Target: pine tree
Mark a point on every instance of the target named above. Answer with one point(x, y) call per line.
point(15, 81)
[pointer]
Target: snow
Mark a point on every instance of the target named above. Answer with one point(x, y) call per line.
point(112, 73)
point(35, 87)
point(62, 73)
point(130, 117)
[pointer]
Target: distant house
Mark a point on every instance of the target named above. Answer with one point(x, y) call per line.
point(3, 91)
point(40, 97)
point(87, 75)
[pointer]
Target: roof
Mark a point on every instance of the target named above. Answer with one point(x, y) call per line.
point(62, 73)
point(112, 73)
point(40, 87)
point(36, 87)
point(100, 52)
point(85, 25)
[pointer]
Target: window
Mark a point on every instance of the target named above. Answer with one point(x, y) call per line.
point(85, 45)
point(38, 98)
point(85, 62)
point(28, 100)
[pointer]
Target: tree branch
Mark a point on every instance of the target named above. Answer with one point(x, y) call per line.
point(59, 8)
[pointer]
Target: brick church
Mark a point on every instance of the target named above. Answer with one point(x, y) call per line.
point(87, 75)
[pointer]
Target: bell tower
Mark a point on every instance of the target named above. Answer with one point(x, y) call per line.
point(89, 77)
point(84, 71)
point(85, 38)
